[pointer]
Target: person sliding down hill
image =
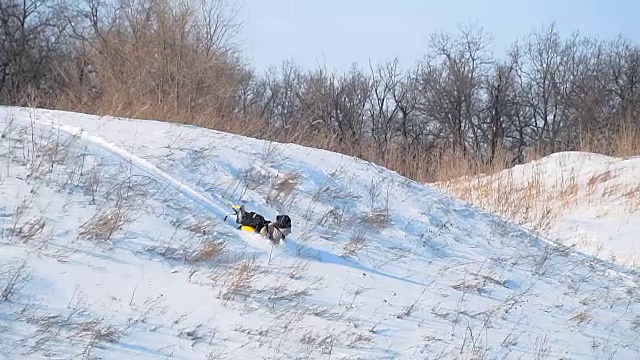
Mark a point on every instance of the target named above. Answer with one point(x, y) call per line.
point(274, 231)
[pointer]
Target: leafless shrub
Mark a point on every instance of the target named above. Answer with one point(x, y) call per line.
point(195, 335)
point(633, 195)
point(326, 313)
point(172, 249)
point(357, 241)
point(472, 343)
point(150, 306)
point(441, 313)
point(309, 337)
point(602, 349)
point(12, 279)
point(540, 267)
point(374, 192)
point(9, 119)
point(98, 330)
point(304, 239)
point(514, 300)
point(356, 293)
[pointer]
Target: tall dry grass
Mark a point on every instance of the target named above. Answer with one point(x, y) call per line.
point(529, 197)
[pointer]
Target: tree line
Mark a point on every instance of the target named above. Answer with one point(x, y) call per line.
point(461, 104)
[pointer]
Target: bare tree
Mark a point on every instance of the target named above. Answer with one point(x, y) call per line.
point(160, 58)
point(32, 34)
point(383, 110)
point(451, 85)
point(544, 82)
point(501, 108)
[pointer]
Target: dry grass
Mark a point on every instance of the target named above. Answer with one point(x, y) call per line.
point(207, 251)
point(238, 280)
point(282, 191)
point(202, 227)
point(12, 279)
point(298, 269)
point(598, 179)
point(633, 196)
point(30, 229)
point(582, 317)
point(378, 216)
point(526, 200)
point(623, 143)
point(19, 213)
point(411, 308)
point(75, 328)
point(528, 197)
point(103, 225)
point(357, 242)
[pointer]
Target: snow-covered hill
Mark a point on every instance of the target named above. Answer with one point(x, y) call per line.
point(586, 201)
point(114, 246)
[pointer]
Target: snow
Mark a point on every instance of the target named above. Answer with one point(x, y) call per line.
point(587, 201)
point(376, 267)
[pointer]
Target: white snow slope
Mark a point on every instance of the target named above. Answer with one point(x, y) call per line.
point(114, 246)
point(586, 201)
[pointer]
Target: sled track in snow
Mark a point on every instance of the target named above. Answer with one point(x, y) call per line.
point(192, 194)
point(141, 164)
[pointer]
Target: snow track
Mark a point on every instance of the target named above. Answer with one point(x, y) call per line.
point(142, 165)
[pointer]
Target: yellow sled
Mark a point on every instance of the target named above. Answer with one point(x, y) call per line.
point(244, 227)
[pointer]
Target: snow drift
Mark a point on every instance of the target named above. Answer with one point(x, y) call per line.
point(586, 201)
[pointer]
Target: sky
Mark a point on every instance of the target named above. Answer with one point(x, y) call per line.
point(338, 33)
